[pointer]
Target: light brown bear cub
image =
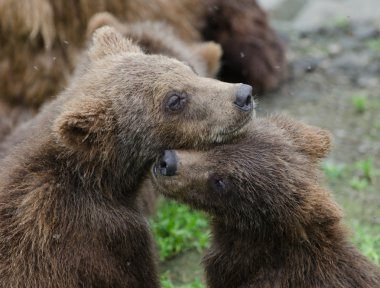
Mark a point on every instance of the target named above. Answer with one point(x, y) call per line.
point(273, 224)
point(69, 215)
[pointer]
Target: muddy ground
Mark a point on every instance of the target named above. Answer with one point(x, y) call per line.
point(334, 83)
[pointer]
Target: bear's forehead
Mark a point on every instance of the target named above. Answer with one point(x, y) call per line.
point(157, 64)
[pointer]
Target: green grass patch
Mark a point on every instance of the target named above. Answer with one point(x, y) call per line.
point(341, 22)
point(363, 173)
point(177, 228)
point(367, 240)
point(167, 283)
point(333, 170)
point(374, 44)
point(358, 184)
point(360, 102)
point(366, 168)
point(377, 124)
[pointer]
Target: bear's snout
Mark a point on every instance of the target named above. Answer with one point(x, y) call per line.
point(167, 163)
point(244, 100)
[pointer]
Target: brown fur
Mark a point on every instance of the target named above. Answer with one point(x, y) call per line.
point(252, 51)
point(11, 117)
point(44, 38)
point(69, 212)
point(160, 38)
point(273, 224)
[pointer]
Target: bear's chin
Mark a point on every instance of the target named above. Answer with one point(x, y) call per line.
point(226, 136)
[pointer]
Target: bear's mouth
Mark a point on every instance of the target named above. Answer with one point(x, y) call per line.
point(154, 175)
point(156, 181)
point(236, 131)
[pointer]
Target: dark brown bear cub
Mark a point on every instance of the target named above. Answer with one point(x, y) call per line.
point(69, 215)
point(273, 224)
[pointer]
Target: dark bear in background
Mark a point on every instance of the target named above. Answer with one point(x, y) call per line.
point(252, 51)
point(69, 209)
point(41, 39)
point(273, 224)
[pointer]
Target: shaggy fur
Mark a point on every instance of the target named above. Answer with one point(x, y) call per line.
point(160, 38)
point(252, 51)
point(69, 212)
point(273, 224)
point(11, 117)
point(44, 38)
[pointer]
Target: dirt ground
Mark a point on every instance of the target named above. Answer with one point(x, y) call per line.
point(334, 83)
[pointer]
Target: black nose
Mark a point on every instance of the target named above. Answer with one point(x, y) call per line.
point(244, 100)
point(167, 164)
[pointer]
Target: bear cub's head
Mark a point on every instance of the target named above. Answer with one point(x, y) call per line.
point(156, 37)
point(265, 182)
point(142, 103)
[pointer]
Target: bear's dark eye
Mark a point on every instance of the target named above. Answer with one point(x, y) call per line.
point(176, 102)
point(218, 183)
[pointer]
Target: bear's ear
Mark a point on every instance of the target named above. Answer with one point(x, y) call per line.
point(211, 53)
point(83, 123)
point(102, 19)
point(314, 141)
point(108, 41)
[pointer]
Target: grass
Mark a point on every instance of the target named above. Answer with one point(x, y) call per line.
point(167, 283)
point(374, 44)
point(367, 239)
point(333, 170)
point(177, 228)
point(363, 173)
point(361, 177)
point(377, 124)
point(360, 102)
point(341, 22)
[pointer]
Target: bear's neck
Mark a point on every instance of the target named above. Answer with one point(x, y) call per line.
point(84, 202)
point(115, 175)
point(238, 257)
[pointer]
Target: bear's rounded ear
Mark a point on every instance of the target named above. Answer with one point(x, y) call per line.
point(83, 123)
point(108, 41)
point(102, 19)
point(314, 141)
point(211, 53)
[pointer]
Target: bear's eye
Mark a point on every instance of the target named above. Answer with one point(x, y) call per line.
point(176, 102)
point(218, 183)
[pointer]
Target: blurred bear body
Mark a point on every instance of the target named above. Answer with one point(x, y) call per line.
point(43, 39)
point(273, 224)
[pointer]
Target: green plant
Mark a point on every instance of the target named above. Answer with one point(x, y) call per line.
point(358, 184)
point(333, 170)
point(341, 22)
point(360, 102)
point(368, 240)
point(366, 168)
point(374, 44)
point(377, 124)
point(177, 228)
point(167, 283)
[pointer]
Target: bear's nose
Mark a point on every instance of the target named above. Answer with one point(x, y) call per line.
point(167, 163)
point(244, 100)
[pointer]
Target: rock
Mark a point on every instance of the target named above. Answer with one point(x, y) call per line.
point(305, 65)
point(321, 13)
point(364, 31)
point(352, 60)
point(334, 49)
point(367, 81)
